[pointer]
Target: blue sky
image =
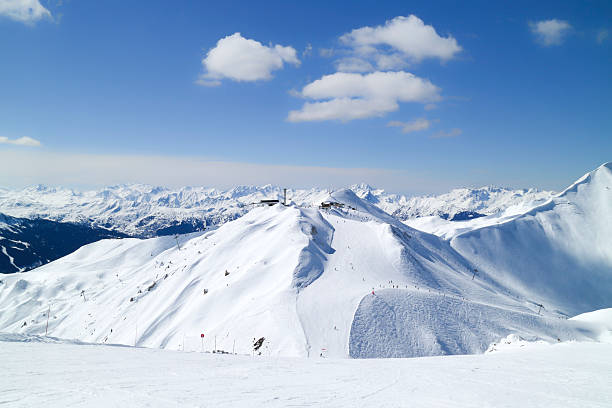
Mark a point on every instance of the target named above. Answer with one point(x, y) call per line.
point(410, 96)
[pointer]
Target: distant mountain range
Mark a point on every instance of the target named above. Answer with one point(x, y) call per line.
point(456, 205)
point(28, 243)
point(145, 211)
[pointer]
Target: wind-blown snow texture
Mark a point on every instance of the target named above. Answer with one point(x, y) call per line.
point(352, 281)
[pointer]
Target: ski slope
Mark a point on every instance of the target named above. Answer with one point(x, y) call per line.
point(151, 293)
point(559, 253)
point(302, 278)
point(528, 375)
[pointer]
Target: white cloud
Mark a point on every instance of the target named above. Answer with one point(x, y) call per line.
point(416, 125)
point(430, 106)
point(22, 141)
point(602, 35)
point(550, 32)
point(442, 134)
point(343, 109)
point(24, 11)
point(347, 96)
point(387, 62)
point(241, 59)
point(352, 64)
point(398, 42)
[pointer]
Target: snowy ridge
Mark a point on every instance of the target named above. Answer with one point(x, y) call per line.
point(302, 278)
point(156, 291)
point(560, 251)
point(448, 229)
point(146, 211)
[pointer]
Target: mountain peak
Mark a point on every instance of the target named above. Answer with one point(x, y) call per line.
point(362, 187)
point(607, 165)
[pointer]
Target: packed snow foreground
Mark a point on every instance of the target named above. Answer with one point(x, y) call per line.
point(40, 374)
point(347, 281)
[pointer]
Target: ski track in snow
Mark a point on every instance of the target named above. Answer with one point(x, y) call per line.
point(46, 374)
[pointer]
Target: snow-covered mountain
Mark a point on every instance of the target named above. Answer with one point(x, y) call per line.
point(136, 210)
point(147, 211)
point(457, 205)
point(567, 239)
point(351, 281)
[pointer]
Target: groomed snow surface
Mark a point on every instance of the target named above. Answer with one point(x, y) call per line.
point(38, 374)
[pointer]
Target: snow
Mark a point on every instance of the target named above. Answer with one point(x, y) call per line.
point(29, 243)
point(559, 254)
point(49, 372)
point(299, 277)
point(487, 200)
point(10, 258)
point(155, 292)
point(599, 322)
point(143, 210)
point(415, 324)
point(496, 206)
point(340, 282)
point(449, 229)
